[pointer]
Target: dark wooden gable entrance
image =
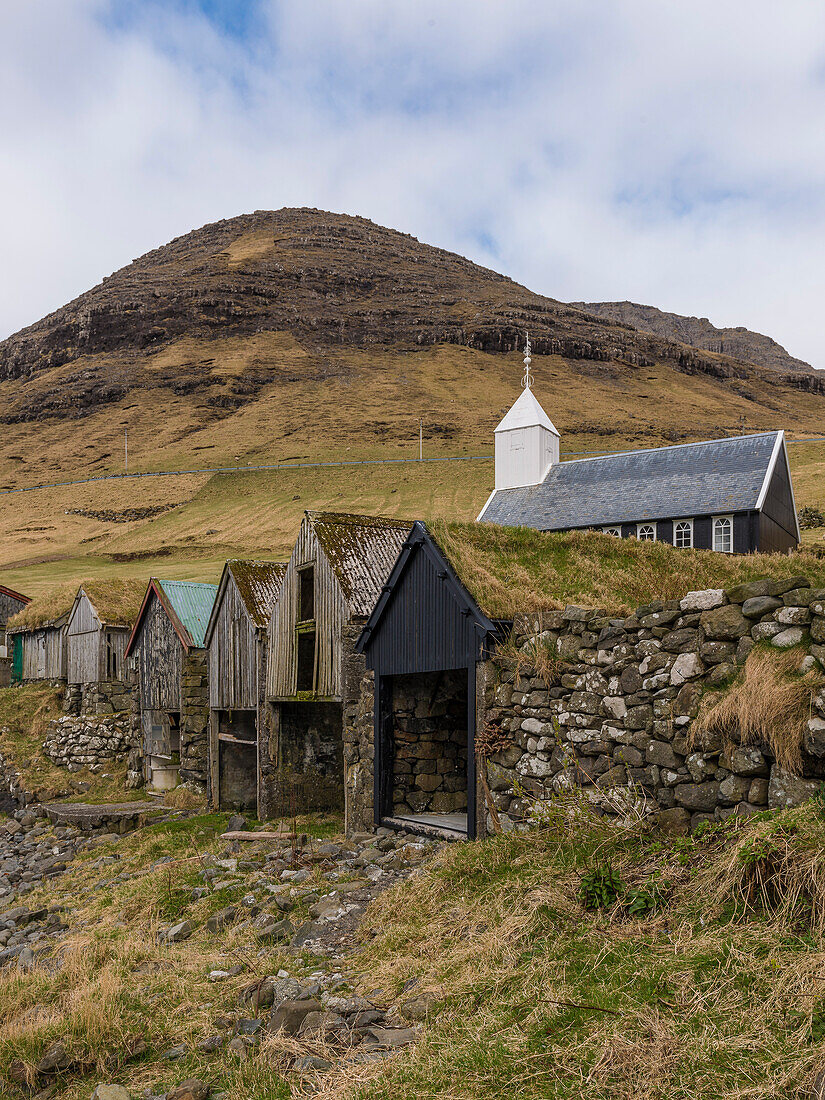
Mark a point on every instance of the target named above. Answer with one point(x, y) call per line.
point(425, 622)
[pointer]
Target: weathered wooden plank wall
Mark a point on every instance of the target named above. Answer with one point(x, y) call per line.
point(84, 640)
point(44, 654)
point(330, 616)
point(160, 660)
point(233, 655)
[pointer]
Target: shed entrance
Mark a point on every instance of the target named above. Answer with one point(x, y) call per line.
point(310, 757)
point(428, 748)
point(161, 732)
point(237, 744)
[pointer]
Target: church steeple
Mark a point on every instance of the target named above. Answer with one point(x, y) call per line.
point(527, 443)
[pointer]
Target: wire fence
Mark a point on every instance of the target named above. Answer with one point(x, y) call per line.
point(308, 466)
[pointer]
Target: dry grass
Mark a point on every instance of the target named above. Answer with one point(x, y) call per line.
point(769, 705)
point(514, 569)
point(25, 713)
point(117, 601)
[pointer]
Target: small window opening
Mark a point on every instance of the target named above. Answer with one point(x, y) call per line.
point(306, 594)
point(615, 531)
point(306, 661)
point(683, 534)
point(723, 535)
point(646, 532)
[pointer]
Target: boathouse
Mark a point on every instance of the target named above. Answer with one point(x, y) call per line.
point(167, 644)
point(236, 643)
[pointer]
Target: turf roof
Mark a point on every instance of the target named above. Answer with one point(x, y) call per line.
point(512, 570)
point(116, 602)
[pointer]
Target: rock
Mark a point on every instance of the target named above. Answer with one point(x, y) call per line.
point(290, 1015)
point(763, 631)
point(734, 789)
point(725, 623)
point(815, 737)
point(321, 1024)
point(675, 822)
point(218, 921)
point(746, 760)
point(174, 1054)
point(787, 638)
point(272, 929)
point(705, 600)
point(192, 1089)
point(687, 666)
point(111, 1092)
point(785, 789)
point(661, 753)
point(757, 606)
point(418, 1008)
point(764, 586)
point(179, 932)
point(793, 616)
point(392, 1037)
point(703, 797)
point(55, 1060)
point(312, 1061)
point(236, 823)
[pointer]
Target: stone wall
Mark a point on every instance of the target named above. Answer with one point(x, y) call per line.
point(429, 715)
point(87, 742)
point(613, 713)
point(98, 699)
point(194, 720)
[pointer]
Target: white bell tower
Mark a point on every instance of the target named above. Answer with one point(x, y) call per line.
point(527, 443)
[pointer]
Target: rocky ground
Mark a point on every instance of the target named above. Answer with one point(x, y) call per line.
point(305, 896)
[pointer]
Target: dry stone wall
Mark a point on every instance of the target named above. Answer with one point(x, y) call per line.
point(98, 699)
point(77, 742)
point(614, 713)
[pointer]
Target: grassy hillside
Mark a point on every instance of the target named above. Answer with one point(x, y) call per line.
point(581, 959)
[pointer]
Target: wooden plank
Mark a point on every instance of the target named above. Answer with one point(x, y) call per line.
point(242, 834)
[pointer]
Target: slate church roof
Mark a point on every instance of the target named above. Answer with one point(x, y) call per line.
point(694, 479)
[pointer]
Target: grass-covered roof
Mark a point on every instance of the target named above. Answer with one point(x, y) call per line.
point(509, 570)
point(117, 602)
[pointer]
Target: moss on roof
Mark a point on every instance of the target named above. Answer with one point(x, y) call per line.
point(511, 570)
point(258, 583)
point(117, 602)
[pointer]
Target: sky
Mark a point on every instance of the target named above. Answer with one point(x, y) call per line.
point(667, 153)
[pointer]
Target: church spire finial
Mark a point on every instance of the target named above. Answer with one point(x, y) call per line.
point(527, 380)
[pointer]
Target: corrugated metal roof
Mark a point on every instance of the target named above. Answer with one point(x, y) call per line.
point(361, 551)
point(259, 584)
point(693, 479)
point(192, 603)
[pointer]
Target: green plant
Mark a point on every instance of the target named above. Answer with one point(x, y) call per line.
point(647, 898)
point(600, 888)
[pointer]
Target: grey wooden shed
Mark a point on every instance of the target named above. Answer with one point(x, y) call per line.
point(236, 643)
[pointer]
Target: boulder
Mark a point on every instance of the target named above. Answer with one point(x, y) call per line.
point(734, 789)
point(288, 1016)
point(111, 1092)
point(792, 636)
point(764, 586)
point(675, 821)
point(701, 797)
point(785, 789)
point(687, 666)
point(815, 737)
point(705, 600)
point(180, 932)
point(757, 606)
point(193, 1089)
point(747, 760)
point(725, 623)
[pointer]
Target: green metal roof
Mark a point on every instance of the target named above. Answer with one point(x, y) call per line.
point(192, 603)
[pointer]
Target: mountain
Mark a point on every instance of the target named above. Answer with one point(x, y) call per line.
point(299, 336)
point(739, 343)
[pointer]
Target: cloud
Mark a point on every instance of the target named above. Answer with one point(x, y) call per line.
point(592, 149)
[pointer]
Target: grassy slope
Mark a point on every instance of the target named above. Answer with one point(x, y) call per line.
point(367, 407)
point(25, 713)
point(716, 992)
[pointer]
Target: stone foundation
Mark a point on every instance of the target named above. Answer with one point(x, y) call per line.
point(98, 699)
point(76, 743)
point(613, 715)
point(194, 720)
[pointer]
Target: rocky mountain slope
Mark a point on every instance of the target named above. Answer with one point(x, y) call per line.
point(739, 342)
point(332, 282)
